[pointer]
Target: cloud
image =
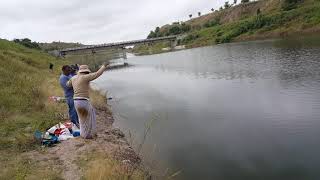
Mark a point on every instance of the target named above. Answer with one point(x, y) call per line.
point(94, 21)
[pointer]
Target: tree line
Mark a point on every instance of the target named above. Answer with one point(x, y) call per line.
point(180, 28)
point(27, 43)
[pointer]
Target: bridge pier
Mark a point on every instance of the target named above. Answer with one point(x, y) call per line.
point(124, 53)
point(173, 44)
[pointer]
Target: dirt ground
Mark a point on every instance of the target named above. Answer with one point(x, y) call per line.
point(72, 157)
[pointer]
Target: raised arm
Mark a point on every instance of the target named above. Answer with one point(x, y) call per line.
point(95, 75)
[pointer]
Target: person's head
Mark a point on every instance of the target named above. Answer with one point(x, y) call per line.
point(74, 69)
point(84, 69)
point(66, 70)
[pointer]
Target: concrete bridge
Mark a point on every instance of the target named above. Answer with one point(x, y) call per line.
point(117, 45)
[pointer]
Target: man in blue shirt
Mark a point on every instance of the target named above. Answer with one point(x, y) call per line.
point(68, 93)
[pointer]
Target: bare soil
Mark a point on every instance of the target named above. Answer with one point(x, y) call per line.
point(68, 156)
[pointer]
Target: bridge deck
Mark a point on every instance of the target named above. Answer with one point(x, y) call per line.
point(119, 44)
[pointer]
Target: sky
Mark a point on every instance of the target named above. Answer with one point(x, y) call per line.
point(93, 21)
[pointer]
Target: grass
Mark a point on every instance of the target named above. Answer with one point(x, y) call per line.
point(25, 79)
point(26, 83)
point(101, 167)
point(150, 49)
point(280, 22)
point(271, 23)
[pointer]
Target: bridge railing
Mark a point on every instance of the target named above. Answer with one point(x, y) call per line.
point(124, 43)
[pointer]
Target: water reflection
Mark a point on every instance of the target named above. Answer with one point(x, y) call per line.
point(234, 111)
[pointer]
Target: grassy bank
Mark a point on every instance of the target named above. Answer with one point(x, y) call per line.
point(26, 83)
point(150, 49)
point(262, 19)
point(265, 25)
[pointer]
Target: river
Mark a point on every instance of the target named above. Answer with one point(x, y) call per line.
point(247, 110)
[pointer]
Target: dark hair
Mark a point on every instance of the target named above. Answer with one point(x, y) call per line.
point(65, 67)
point(74, 67)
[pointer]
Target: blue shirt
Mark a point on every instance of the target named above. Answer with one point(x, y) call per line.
point(68, 91)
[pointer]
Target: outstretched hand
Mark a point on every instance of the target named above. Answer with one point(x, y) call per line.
point(106, 64)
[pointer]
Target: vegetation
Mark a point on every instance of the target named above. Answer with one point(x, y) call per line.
point(25, 80)
point(150, 49)
point(102, 167)
point(290, 4)
point(172, 30)
point(252, 20)
point(26, 83)
point(226, 5)
point(27, 43)
point(211, 23)
point(58, 45)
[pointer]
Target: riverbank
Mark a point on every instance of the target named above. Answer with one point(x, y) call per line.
point(257, 20)
point(108, 155)
point(26, 84)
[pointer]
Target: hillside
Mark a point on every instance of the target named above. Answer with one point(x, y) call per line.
point(58, 45)
point(246, 21)
point(25, 81)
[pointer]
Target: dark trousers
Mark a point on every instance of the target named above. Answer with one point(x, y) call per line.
point(72, 111)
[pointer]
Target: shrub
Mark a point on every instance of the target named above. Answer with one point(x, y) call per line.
point(226, 5)
point(27, 43)
point(211, 23)
point(189, 38)
point(185, 28)
point(289, 4)
point(174, 30)
point(151, 35)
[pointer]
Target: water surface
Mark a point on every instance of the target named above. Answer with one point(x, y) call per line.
point(234, 111)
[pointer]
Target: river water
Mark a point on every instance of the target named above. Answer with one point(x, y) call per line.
point(233, 111)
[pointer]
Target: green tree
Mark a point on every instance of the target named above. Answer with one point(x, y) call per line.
point(174, 30)
point(157, 30)
point(245, 1)
point(226, 5)
point(151, 35)
point(27, 43)
point(185, 28)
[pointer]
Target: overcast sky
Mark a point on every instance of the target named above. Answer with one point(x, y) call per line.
point(93, 21)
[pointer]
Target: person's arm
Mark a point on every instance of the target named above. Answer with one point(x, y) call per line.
point(95, 75)
point(69, 83)
point(64, 82)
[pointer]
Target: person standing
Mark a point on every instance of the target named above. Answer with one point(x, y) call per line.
point(68, 93)
point(51, 67)
point(86, 112)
